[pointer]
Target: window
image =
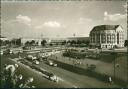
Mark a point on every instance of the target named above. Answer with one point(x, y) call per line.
point(117, 38)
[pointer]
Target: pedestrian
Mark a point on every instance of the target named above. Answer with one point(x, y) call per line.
point(87, 64)
point(110, 80)
point(69, 59)
point(117, 65)
point(19, 81)
point(80, 63)
point(28, 82)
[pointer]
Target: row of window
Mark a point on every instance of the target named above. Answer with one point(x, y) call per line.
point(108, 41)
point(93, 35)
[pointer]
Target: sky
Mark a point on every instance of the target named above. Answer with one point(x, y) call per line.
point(59, 18)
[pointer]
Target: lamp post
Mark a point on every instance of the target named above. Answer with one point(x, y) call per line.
point(127, 45)
point(114, 54)
point(127, 66)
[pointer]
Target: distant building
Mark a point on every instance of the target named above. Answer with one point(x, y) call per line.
point(58, 41)
point(107, 36)
point(3, 38)
point(78, 38)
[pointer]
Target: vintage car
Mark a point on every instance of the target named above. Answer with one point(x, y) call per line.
point(91, 67)
point(51, 63)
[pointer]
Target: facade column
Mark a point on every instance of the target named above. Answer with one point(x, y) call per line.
point(91, 37)
point(106, 38)
point(95, 38)
point(115, 38)
point(110, 38)
point(100, 38)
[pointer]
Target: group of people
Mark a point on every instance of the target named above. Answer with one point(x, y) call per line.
point(9, 78)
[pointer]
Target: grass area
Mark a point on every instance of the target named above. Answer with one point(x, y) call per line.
point(101, 69)
point(86, 72)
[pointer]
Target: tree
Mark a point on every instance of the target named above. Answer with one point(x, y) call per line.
point(37, 43)
point(87, 42)
point(13, 42)
point(73, 42)
point(50, 44)
point(43, 42)
point(69, 42)
point(9, 78)
point(1, 42)
point(64, 42)
point(7, 42)
point(79, 42)
point(18, 41)
point(126, 43)
point(32, 42)
point(27, 43)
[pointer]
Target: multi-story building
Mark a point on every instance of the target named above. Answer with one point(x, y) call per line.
point(107, 36)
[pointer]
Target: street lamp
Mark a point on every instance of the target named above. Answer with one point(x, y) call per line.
point(114, 54)
point(127, 65)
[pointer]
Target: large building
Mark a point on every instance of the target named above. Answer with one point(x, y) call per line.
point(107, 36)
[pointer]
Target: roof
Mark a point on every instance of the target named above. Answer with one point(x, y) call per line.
point(78, 37)
point(105, 27)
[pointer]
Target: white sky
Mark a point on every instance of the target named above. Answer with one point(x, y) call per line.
point(59, 18)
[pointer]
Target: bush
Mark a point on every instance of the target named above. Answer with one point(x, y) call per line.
point(9, 78)
point(77, 55)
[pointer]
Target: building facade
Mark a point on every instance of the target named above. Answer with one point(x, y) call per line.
point(107, 36)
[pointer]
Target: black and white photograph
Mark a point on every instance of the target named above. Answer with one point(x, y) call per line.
point(64, 44)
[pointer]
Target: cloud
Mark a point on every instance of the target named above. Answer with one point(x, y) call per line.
point(39, 26)
point(52, 24)
point(84, 20)
point(113, 17)
point(24, 19)
point(125, 7)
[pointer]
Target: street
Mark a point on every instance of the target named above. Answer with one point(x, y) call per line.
point(68, 79)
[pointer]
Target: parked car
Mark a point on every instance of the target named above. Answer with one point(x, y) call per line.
point(50, 76)
point(29, 57)
point(45, 73)
point(51, 63)
point(8, 51)
point(91, 67)
point(1, 52)
point(54, 78)
point(34, 58)
point(36, 62)
point(20, 51)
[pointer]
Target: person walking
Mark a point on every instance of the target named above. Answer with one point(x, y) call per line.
point(110, 80)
